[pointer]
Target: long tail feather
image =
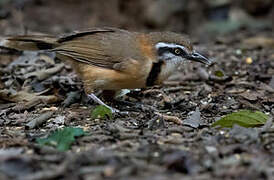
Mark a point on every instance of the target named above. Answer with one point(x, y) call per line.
point(30, 43)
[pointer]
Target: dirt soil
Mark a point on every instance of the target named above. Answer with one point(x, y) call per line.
point(167, 132)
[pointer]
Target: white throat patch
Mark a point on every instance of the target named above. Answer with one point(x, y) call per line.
point(171, 60)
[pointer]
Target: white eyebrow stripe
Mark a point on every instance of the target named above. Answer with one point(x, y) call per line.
point(171, 45)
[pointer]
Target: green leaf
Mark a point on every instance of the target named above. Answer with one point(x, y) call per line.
point(101, 112)
point(219, 73)
point(244, 118)
point(62, 138)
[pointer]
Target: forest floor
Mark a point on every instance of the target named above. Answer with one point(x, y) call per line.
point(167, 133)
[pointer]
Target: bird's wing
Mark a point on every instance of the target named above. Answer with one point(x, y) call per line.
point(103, 47)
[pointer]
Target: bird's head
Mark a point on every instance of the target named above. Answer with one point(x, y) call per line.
point(175, 48)
point(171, 50)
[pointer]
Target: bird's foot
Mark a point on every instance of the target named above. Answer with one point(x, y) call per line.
point(99, 101)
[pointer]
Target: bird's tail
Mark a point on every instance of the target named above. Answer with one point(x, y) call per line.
point(28, 43)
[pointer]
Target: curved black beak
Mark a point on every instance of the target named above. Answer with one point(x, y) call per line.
point(195, 56)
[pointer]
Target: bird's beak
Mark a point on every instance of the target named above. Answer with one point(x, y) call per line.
point(195, 56)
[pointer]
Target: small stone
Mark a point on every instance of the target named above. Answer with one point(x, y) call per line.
point(248, 60)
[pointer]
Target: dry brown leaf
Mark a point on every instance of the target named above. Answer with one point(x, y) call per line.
point(45, 73)
point(20, 96)
point(259, 41)
point(170, 118)
point(251, 96)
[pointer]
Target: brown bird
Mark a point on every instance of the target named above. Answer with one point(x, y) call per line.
point(112, 59)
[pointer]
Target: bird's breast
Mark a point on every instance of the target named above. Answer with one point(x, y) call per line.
point(109, 79)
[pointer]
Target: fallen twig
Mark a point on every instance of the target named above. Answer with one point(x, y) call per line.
point(45, 73)
point(23, 95)
point(174, 119)
point(39, 120)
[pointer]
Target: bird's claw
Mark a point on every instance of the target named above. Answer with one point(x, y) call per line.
point(116, 111)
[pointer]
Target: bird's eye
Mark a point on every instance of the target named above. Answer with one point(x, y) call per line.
point(177, 51)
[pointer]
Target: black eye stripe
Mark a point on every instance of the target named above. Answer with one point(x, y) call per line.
point(163, 50)
point(179, 51)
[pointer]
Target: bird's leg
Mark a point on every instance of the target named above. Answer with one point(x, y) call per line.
point(99, 101)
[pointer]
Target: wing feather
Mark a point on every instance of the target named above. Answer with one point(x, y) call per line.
point(98, 47)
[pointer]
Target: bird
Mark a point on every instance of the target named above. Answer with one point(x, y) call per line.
point(111, 59)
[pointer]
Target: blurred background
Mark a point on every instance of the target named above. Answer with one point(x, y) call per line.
point(202, 19)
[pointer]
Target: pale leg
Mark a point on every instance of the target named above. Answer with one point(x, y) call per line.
point(99, 101)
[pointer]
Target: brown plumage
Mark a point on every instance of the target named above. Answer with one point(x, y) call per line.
point(110, 58)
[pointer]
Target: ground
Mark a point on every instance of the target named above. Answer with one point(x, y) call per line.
point(167, 133)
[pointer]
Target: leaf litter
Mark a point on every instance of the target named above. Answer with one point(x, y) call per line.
point(148, 143)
